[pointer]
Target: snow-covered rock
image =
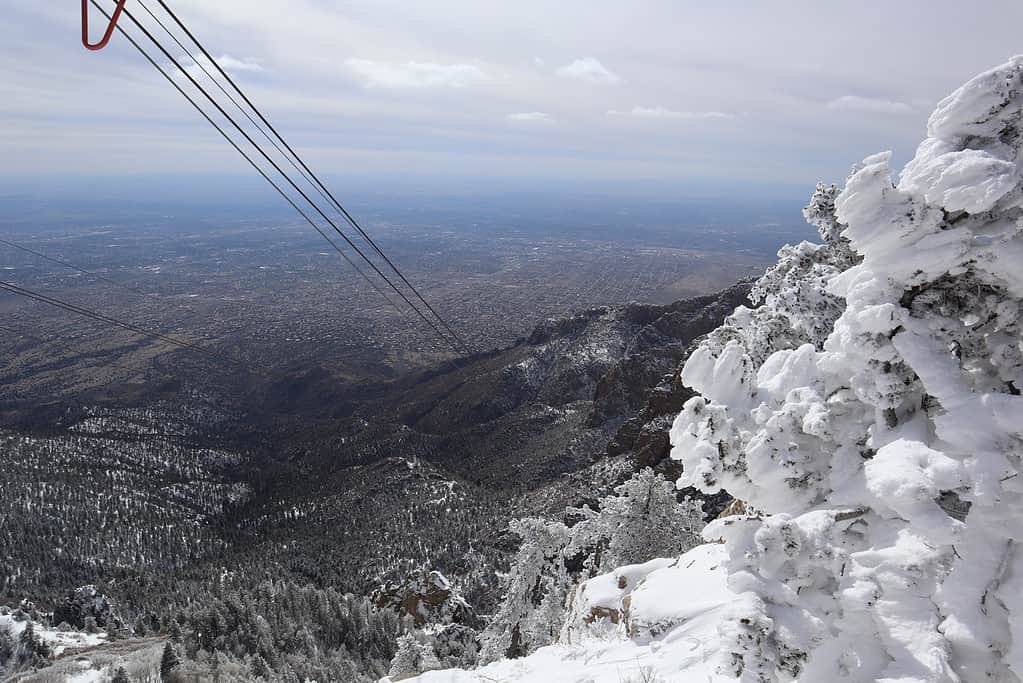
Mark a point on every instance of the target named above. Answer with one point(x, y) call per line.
point(600, 605)
point(690, 589)
point(428, 597)
point(644, 601)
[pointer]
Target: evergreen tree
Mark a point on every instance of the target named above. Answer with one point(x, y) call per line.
point(535, 591)
point(120, 676)
point(260, 669)
point(175, 632)
point(641, 521)
point(6, 647)
point(27, 639)
point(169, 661)
point(412, 658)
point(31, 645)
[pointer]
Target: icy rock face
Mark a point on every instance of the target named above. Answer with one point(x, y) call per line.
point(849, 442)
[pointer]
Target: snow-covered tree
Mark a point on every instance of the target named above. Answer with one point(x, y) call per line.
point(7, 648)
point(796, 306)
point(456, 645)
point(535, 590)
point(641, 521)
point(412, 658)
point(878, 438)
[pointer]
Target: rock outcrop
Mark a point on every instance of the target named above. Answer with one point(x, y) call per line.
point(427, 597)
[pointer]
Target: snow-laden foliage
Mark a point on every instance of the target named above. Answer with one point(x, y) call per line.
point(534, 593)
point(413, 657)
point(796, 306)
point(869, 414)
point(641, 520)
point(668, 610)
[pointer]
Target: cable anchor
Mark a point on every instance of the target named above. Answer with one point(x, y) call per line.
point(110, 29)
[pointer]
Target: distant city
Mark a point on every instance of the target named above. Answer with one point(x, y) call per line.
point(269, 290)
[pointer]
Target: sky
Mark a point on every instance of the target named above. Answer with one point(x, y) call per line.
point(491, 93)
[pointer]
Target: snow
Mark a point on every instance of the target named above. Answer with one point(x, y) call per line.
point(969, 180)
point(906, 477)
point(971, 110)
point(605, 595)
point(59, 641)
point(90, 676)
point(692, 590)
point(688, 591)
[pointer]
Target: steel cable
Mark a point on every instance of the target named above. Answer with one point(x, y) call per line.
point(262, 152)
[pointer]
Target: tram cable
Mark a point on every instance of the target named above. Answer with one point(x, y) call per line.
point(116, 322)
point(321, 187)
point(267, 157)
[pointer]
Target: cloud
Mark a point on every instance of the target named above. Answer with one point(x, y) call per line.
point(531, 117)
point(725, 66)
point(226, 62)
point(869, 104)
point(415, 74)
point(659, 112)
point(229, 63)
point(590, 70)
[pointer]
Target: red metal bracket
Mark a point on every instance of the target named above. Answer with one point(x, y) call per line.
point(110, 29)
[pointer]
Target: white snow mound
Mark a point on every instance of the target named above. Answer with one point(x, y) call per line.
point(688, 592)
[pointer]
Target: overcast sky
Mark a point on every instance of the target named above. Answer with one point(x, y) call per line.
point(765, 93)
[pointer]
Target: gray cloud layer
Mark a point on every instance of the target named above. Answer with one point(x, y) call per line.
point(664, 89)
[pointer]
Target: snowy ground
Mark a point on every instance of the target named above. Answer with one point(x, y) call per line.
point(88, 657)
point(59, 641)
point(692, 590)
point(140, 658)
